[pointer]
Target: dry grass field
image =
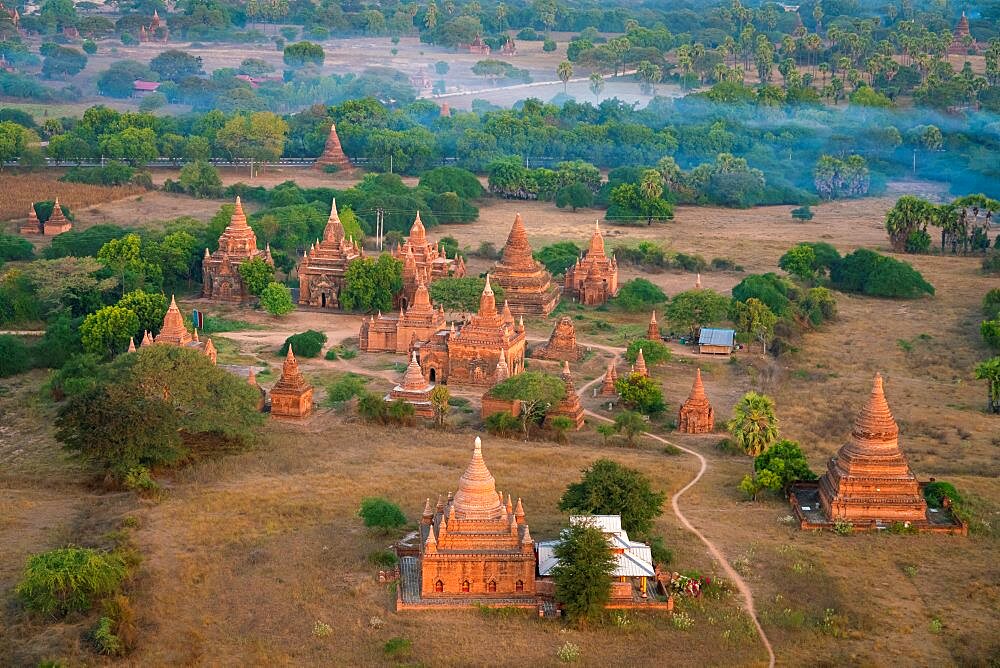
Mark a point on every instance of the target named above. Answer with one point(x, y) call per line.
point(247, 552)
point(19, 191)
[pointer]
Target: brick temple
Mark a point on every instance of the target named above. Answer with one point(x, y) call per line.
point(593, 280)
point(291, 396)
point(472, 354)
point(414, 389)
point(570, 405)
point(474, 547)
point(221, 278)
point(608, 383)
point(561, 344)
point(399, 332)
point(526, 283)
point(56, 224)
point(958, 46)
point(174, 333)
point(870, 478)
point(425, 259)
point(324, 266)
point(31, 224)
point(653, 329)
point(696, 415)
point(333, 153)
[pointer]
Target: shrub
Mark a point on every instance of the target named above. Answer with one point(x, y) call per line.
point(991, 304)
point(397, 647)
point(934, 493)
point(277, 300)
point(456, 180)
point(661, 554)
point(382, 514)
point(15, 248)
point(654, 352)
point(502, 424)
point(786, 461)
point(113, 174)
point(105, 639)
point(116, 632)
point(990, 331)
point(558, 257)
point(641, 393)
point(768, 288)
point(802, 213)
point(843, 528)
point(345, 388)
point(383, 558)
point(15, 357)
point(639, 295)
point(70, 579)
point(867, 272)
point(305, 344)
point(568, 652)
point(991, 263)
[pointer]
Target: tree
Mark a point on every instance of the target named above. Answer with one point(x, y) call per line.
point(106, 332)
point(176, 65)
point(641, 393)
point(867, 272)
point(15, 357)
point(62, 61)
point(19, 248)
point(257, 275)
point(370, 284)
point(990, 331)
point(691, 310)
point(908, 215)
point(558, 257)
point(799, 261)
point(462, 294)
point(757, 320)
point(575, 195)
point(382, 514)
point(117, 81)
point(583, 572)
point(137, 146)
point(57, 15)
point(440, 400)
point(14, 139)
point(990, 372)
point(149, 308)
point(276, 299)
point(304, 344)
point(560, 425)
point(536, 391)
point(259, 136)
point(991, 304)
point(754, 425)
point(596, 84)
point(565, 72)
point(629, 424)
point(608, 488)
point(653, 352)
point(200, 178)
point(639, 294)
point(125, 257)
point(786, 462)
point(303, 53)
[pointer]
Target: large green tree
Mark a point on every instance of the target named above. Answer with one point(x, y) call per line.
point(608, 488)
point(370, 284)
point(754, 426)
point(256, 275)
point(583, 573)
point(149, 308)
point(691, 310)
point(106, 332)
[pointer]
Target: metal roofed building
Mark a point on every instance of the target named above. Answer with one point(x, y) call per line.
point(713, 341)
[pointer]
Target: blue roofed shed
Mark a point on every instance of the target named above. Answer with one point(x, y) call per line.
point(713, 341)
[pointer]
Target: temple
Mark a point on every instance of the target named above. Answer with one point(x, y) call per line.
point(526, 283)
point(324, 267)
point(425, 260)
point(472, 355)
point(291, 396)
point(640, 365)
point(653, 330)
point(333, 155)
point(696, 415)
point(870, 478)
point(414, 390)
point(31, 225)
point(608, 384)
point(962, 42)
point(173, 333)
point(570, 406)
point(474, 546)
point(399, 333)
point(221, 278)
point(561, 344)
point(156, 31)
point(593, 280)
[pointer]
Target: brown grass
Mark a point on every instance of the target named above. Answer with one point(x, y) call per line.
point(20, 191)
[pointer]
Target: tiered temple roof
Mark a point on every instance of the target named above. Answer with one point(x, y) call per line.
point(653, 330)
point(333, 153)
point(640, 365)
point(173, 333)
point(401, 332)
point(961, 35)
point(526, 283)
point(570, 405)
point(57, 222)
point(414, 389)
point(561, 344)
point(608, 384)
point(593, 279)
point(696, 415)
point(291, 396)
point(220, 270)
point(476, 545)
point(424, 259)
point(322, 270)
point(31, 225)
point(870, 478)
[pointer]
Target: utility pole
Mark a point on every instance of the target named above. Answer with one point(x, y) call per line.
point(379, 225)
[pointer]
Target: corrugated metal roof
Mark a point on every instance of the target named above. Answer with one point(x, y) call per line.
point(606, 523)
point(636, 561)
point(716, 337)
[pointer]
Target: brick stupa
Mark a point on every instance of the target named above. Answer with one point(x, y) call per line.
point(608, 384)
point(958, 46)
point(475, 545)
point(31, 225)
point(220, 270)
point(291, 396)
point(561, 344)
point(174, 333)
point(333, 153)
point(57, 222)
point(593, 280)
point(322, 270)
point(870, 478)
point(653, 330)
point(414, 389)
point(526, 283)
point(696, 414)
point(640, 365)
point(570, 405)
point(425, 259)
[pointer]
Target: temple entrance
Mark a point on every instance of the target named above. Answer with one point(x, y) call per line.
point(433, 377)
point(439, 586)
point(323, 299)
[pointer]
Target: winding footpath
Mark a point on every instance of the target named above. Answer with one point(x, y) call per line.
point(713, 551)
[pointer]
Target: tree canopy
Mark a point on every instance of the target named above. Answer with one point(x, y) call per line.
point(608, 488)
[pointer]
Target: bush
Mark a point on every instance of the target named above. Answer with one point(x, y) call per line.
point(70, 579)
point(456, 180)
point(113, 174)
point(935, 492)
point(867, 272)
point(397, 647)
point(786, 462)
point(502, 424)
point(802, 213)
point(382, 514)
point(15, 356)
point(639, 295)
point(15, 248)
point(383, 558)
point(549, 45)
point(991, 263)
point(641, 393)
point(345, 388)
point(558, 257)
point(305, 344)
point(990, 331)
point(276, 299)
point(991, 304)
point(608, 488)
point(654, 352)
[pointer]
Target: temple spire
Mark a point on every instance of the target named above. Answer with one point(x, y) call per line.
point(476, 497)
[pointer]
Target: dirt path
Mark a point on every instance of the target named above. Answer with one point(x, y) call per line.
point(715, 552)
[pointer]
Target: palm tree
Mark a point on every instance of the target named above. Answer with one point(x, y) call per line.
point(990, 372)
point(501, 16)
point(754, 426)
point(596, 85)
point(565, 72)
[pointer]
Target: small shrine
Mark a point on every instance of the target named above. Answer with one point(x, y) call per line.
point(593, 280)
point(608, 384)
point(221, 278)
point(696, 414)
point(291, 396)
point(570, 405)
point(155, 31)
point(653, 329)
point(640, 365)
point(400, 332)
point(414, 389)
point(57, 222)
point(475, 548)
point(174, 333)
point(561, 344)
point(526, 283)
point(333, 154)
point(478, 46)
point(324, 267)
point(422, 258)
point(962, 42)
point(31, 225)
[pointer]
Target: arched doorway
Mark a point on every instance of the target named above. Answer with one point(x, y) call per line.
point(439, 587)
point(323, 299)
point(433, 377)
